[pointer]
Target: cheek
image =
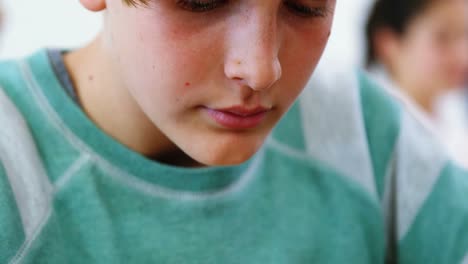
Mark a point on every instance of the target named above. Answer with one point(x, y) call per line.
point(432, 61)
point(299, 58)
point(307, 46)
point(165, 70)
point(420, 57)
point(426, 52)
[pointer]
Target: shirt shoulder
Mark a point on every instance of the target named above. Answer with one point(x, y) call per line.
point(25, 190)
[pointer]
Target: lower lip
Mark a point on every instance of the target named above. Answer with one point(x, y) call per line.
point(233, 121)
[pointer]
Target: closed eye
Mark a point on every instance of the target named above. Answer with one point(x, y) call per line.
point(200, 5)
point(294, 6)
point(305, 10)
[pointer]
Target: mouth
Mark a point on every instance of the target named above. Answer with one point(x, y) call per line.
point(238, 117)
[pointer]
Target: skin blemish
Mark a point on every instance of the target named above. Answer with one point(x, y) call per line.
point(90, 78)
point(187, 84)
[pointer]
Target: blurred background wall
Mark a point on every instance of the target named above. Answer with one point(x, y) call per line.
point(31, 24)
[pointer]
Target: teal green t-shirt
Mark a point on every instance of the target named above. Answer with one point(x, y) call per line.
point(347, 176)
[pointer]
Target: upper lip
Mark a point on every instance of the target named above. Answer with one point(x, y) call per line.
point(243, 110)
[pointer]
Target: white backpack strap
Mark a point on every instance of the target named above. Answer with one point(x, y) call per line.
point(334, 127)
point(26, 174)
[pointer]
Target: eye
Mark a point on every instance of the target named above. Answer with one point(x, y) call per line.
point(306, 11)
point(200, 5)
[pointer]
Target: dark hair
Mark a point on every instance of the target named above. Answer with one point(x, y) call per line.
point(395, 15)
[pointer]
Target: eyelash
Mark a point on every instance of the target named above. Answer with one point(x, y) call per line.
point(200, 5)
point(208, 5)
point(305, 11)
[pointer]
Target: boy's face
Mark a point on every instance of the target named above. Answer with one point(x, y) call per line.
point(215, 76)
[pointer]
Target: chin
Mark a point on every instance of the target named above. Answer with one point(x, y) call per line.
point(226, 160)
point(223, 148)
point(225, 156)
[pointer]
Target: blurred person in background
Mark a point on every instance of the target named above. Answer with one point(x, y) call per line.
point(418, 49)
point(1, 18)
point(2, 23)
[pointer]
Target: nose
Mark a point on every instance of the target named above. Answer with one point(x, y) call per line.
point(252, 51)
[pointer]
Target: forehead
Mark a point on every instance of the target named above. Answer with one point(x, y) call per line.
point(451, 10)
point(443, 15)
